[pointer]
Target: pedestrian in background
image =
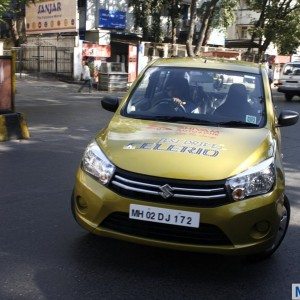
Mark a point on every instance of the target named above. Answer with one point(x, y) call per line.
point(270, 75)
point(86, 76)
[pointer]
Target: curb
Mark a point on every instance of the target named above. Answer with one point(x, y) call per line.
point(13, 126)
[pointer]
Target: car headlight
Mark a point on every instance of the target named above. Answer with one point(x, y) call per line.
point(255, 181)
point(96, 163)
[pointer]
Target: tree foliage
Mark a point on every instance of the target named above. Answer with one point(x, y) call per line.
point(288, 34)
point(174, 10)
point(211, 14)
point(278, 23)
point(203, 14)
point(156, 10)
point(210, 8)
point(12, 12)
point(191, 32)
point(4, 7)
point(147, 16)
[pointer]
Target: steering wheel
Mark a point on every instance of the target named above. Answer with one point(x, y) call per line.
point(170, 104)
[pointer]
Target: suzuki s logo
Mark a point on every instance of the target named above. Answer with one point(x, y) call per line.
point(166, 191)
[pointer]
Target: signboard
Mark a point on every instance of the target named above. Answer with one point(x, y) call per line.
point(112, 19)
point(51, 16)
point(132, 63)
point(282, 59)
point(94, 50)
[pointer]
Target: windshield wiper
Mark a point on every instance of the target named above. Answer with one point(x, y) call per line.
point(238, 124)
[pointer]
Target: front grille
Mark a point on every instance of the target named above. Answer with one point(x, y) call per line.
point(171, 191)
point(206, 234)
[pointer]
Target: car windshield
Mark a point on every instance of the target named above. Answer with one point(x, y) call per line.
point(198, 96)
point(292, 69)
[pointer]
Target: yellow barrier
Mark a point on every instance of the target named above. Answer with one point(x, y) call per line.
point(13, 126)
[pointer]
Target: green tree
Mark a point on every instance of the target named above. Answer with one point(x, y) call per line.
point(156, 11)
point(206, 20)
point(277, 22)
point(142, 13)
point(191, 32)
point(288, 34)
point(12, 12)
point(211, 14)
point(222, 18)
point(4, 8)
point(174, 10)
point(147, 15)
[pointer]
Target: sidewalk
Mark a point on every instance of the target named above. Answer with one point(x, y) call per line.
point(70, 86)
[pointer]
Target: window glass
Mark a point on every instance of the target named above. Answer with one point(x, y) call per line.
point(292, 69)
point(198, 96)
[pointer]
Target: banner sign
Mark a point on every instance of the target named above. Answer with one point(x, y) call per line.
point(51, 16)
point(132, 63)
point(112, 19)
point(97, 51)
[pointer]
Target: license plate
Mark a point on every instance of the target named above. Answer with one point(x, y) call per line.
point(163, 215)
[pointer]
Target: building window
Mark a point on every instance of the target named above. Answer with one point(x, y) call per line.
point(82, 3)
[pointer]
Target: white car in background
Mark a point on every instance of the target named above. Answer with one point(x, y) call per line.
point(289, 80)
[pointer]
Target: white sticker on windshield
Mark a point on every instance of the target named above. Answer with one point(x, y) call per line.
point(251, 119)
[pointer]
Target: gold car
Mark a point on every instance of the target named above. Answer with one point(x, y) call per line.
point(190, 160)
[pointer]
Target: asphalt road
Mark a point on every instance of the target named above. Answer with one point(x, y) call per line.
point(44, 254)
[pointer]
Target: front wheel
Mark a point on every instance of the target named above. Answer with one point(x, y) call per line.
point(283, 226)
point(288, 97)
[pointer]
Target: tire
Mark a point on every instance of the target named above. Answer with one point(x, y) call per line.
point(284, 224)
point(288, 97)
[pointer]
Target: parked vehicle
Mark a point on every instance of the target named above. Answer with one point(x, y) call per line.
point(289, 80)
point(188, 163)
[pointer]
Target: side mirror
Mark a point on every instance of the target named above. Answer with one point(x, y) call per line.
point(287, 118)
point(110, 103)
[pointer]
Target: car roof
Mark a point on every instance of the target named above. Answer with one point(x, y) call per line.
point(209, 63)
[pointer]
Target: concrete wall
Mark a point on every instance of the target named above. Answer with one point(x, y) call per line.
point(77, 67)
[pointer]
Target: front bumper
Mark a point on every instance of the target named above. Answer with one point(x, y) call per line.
point(238, 222)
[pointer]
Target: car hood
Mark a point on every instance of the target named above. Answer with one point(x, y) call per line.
point(182, 151)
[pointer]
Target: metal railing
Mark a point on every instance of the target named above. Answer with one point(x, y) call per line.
point(50, 60)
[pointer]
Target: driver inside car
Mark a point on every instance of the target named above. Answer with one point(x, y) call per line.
point(173, 92)
point(177, 92)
